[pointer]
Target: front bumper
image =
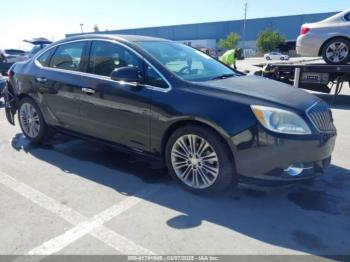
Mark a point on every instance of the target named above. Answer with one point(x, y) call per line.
point(263, 156)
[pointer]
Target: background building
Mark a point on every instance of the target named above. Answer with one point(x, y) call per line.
point(207, 35)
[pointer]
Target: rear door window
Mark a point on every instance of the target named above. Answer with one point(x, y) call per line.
point(68, 56)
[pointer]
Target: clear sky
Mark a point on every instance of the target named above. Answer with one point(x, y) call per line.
point(54, 18)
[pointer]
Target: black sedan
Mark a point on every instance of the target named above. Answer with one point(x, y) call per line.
point(211, 125)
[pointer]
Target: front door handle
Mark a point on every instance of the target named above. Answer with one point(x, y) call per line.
point(88, 91)
point(41, 80)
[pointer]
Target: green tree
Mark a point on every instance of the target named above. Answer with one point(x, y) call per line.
point(269, 40)
point(230, 41)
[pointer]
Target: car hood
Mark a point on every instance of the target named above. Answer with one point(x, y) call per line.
point(254, 89)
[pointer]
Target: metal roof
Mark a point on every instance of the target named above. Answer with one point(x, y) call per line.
point(289, 26)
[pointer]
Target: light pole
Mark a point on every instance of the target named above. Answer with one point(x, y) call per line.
point(81, 27)
point(245, 23)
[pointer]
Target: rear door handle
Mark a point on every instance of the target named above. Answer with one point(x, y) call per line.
point(41, 80)
point(88, 91)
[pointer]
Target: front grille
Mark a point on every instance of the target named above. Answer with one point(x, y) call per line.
point(321, 116)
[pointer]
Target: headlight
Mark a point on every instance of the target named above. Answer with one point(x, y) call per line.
point(281, 121)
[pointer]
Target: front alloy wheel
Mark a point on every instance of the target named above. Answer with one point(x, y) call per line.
point(200, 160)
point(195, 162)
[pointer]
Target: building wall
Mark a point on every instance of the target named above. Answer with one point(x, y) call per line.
point(289, 26)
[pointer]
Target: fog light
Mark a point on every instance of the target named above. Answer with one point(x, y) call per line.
point(296, 169)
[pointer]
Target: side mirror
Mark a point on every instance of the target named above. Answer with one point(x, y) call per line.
point(127, 74)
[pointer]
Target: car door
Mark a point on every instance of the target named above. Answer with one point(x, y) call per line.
point(58, 80)
point(111, 110)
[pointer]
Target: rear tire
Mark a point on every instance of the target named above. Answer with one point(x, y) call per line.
point(32, 122)
point(337, 51)
point(268, 58)
point(199, 160)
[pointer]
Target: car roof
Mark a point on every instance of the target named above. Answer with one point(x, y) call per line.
point(14, 50)
point(337, 17)
point(123, 38)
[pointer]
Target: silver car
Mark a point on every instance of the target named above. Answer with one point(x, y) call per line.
point(329, 38)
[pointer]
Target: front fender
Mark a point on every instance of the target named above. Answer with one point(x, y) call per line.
point(221, 113)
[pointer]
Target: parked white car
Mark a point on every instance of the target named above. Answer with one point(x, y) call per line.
point(276, 56)
point(329, 38)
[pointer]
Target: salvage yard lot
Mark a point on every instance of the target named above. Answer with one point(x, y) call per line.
point(74, 197)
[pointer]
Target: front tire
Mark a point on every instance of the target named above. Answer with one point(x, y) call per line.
point(199, 160)
point(32, 122)
point(337, 51)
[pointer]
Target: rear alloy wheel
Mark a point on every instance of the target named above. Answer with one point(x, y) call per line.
point(32, 122)
point(337, 51)
point(268, 58)
point(199, 160)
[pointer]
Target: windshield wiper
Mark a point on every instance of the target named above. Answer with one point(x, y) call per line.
point(223, 76)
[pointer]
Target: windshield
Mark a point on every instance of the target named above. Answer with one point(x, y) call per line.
point(186, 62)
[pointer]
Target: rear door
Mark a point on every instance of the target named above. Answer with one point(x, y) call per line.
point(58, 80)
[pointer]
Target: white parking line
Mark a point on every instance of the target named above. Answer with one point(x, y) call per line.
point(83, 226)
point(42, 200)
point(56, 244)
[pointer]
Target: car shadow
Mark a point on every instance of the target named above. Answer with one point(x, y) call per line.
point(306, 218)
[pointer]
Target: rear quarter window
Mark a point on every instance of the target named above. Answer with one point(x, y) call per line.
point(347, 17)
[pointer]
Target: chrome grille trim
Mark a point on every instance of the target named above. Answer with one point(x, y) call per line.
point(321, 117)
